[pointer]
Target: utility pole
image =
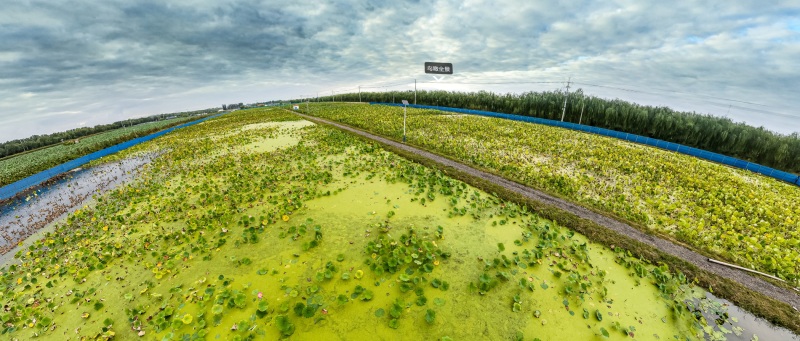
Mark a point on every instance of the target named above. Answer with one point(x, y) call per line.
point(359, 94)
point(564, 111)
point(415, 91)
point(581, 118)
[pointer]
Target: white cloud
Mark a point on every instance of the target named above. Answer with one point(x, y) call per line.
point(111, 60)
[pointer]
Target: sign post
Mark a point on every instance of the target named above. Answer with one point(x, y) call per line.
point(405, 105)
point(439, 68)
point(435, 68)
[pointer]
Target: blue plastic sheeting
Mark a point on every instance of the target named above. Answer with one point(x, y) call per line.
point(11, 190)
point(703, 154)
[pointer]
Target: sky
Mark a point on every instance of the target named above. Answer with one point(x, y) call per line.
point(67, 64)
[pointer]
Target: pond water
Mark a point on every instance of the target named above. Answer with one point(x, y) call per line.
point(746, 321)
point(310, 233)
point(23, 216)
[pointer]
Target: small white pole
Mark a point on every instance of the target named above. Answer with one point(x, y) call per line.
point(405, 105)
point(744, 269)
point(404, 124)
point(415, 91)
point(359, 94)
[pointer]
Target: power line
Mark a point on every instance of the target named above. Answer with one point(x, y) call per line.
point(758, 110)
point(479, 83)
point(384, 86)
point(657, 92)
point(673, 91)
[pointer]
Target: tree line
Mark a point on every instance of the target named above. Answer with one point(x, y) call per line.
point(38, 141)
point(712, 133)
point(232, 106)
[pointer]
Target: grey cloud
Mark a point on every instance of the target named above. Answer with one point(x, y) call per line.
point(103, 58)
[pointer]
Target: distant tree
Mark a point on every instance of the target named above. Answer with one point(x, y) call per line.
point(39, 141)
point(712, 133)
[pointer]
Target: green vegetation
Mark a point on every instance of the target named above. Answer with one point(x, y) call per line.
point(20, 166)
point(772, 310)
point(728, 213)
point(38, 141)
point(215, 241)
point(716, 134)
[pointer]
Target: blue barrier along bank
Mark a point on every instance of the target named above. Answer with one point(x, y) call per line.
point(11, 190)
point(675, 147)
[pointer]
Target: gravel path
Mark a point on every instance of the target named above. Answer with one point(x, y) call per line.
point(753, 283)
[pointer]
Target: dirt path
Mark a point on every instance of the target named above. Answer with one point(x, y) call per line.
point(753, 283)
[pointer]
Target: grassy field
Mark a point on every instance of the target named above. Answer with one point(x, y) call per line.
point(727, 213)
point(256, 225)
point(20, 166)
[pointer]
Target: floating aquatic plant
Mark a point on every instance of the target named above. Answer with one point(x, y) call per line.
point(604, 332)
point(224, 207)
point(261, 308)
point(421, 301)
point(284, 325)
point(298, 308)
point(396, 309)
point(409, 253)
point(430, 316)
point(357, 291)
point(368, 295)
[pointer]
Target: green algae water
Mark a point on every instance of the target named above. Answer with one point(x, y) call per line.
point(259, 226)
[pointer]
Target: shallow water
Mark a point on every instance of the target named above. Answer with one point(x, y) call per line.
point(366, 202)
point(24, 216)
point(750, 324)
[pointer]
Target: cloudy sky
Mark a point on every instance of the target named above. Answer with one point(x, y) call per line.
point(65, 64)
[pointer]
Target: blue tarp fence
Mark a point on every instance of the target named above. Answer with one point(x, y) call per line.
point(703, 154)
point(11, 190)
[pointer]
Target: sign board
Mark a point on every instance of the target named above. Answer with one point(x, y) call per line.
point(439, 68)
point(405, 102)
